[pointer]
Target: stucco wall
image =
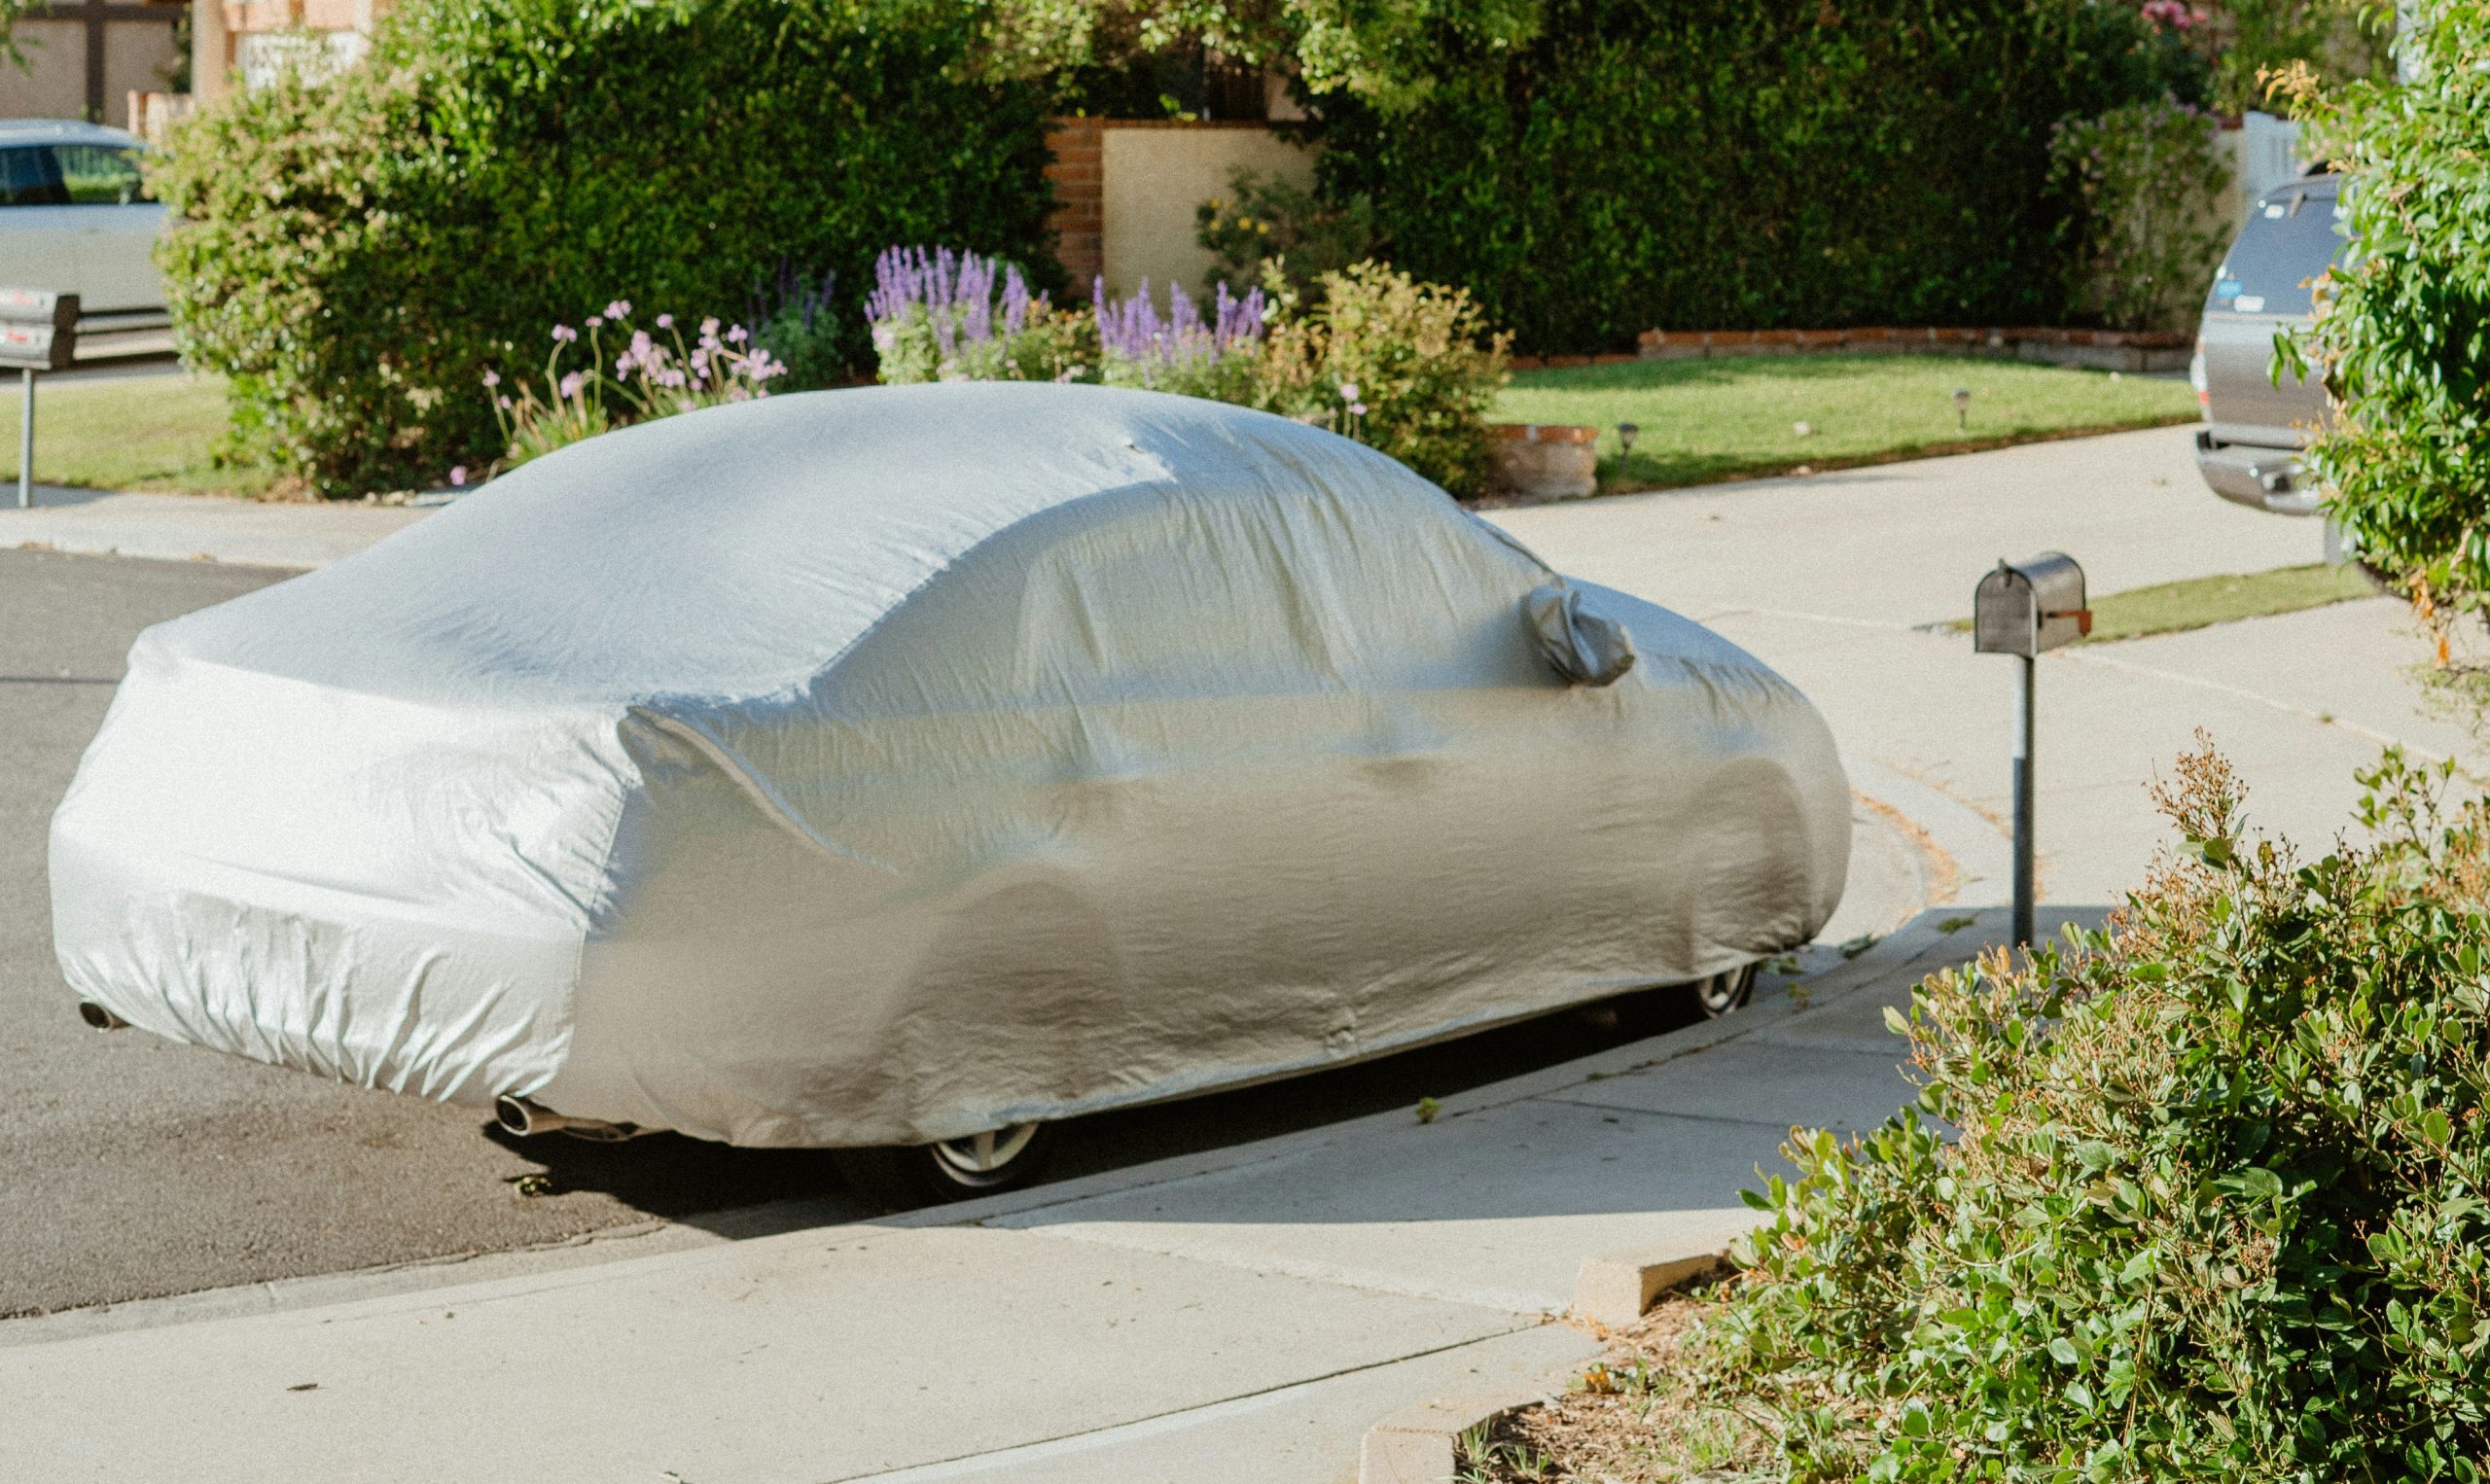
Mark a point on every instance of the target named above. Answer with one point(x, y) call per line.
point(137, 55)
point(1154, 175)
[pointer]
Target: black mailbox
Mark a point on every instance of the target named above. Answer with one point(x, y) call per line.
point(2031, 606)
point(38, 330)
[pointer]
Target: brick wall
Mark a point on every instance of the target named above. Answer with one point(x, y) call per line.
point(1078, 171)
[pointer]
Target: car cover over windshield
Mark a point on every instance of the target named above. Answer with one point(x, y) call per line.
point(889, 764)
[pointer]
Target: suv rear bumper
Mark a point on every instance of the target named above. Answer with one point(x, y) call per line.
point(2261, 477)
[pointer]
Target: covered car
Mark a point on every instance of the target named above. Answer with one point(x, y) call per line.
point(895, 765)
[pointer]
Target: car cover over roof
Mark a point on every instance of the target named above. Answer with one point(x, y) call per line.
point(886, 765)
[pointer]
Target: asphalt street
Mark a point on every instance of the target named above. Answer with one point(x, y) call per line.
point(131, 1167)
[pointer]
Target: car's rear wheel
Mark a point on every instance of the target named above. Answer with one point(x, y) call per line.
point(1674, 1007)
point(1724, 992)
point(951, 1169)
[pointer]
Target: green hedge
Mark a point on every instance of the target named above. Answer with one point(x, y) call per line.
point(354, 253)
point(1707, 164)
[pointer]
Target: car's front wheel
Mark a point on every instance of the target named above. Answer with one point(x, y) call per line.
point(951, 1169)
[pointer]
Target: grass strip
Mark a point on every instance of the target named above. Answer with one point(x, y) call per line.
point(2200, 602)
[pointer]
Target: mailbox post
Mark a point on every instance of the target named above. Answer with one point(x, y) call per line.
point(37, 333)
point(2024, 609)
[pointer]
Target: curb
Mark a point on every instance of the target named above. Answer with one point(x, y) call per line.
point(1616, 1289)
point(1422, 1444)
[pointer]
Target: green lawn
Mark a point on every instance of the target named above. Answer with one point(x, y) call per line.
point(1700, 420)
point(1732, 416)
point(153, 432)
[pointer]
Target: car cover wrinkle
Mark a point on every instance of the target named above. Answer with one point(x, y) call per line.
point(772, 805)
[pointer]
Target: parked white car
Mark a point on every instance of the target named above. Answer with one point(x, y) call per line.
point(901, 769)
point(75, 218)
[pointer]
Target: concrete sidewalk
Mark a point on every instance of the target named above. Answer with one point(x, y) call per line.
point(1242, 1315)
point(251, 533)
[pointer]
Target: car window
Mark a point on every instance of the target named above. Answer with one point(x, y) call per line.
point(30, 176)
point(2288, 240)
point(100, 175)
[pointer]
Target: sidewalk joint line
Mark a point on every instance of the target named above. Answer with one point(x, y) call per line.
point(1061, 1442)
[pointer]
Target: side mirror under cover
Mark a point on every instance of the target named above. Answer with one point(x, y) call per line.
point(1583, 646)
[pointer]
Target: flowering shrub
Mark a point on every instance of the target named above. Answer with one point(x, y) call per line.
point(1404, 367)
point(1220, 358)
point(2149, 179)
point(937, 315)
point(652, 377)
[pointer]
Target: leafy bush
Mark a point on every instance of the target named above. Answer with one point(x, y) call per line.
point(2403, 329)
point(2149, 230)
point(1259, 224)
point(652, 377)
point(354, 254)
point(1719, 165)
point(2216, 1210)
point(794, 320)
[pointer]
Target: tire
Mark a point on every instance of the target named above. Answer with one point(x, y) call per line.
point(1723, 992)
point(907, 1177)
point(1675, 1006)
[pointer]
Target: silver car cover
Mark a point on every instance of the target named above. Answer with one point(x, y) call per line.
point(884, 765)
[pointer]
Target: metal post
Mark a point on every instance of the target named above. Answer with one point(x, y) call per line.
point(27, 442)
point(2023, 804)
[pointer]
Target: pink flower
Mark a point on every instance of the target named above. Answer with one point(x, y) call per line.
point(564, 333)
point(709, 328)
point(493, 378)
point(458, 474)
point(737, 335)
point(666, 322)
point(619, 310)
point(505, 403)
point(596, 320)
point(1349, 392)
point(571, 386)
point(1357, 410)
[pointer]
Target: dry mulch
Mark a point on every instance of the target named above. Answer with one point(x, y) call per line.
point(1629, 1418)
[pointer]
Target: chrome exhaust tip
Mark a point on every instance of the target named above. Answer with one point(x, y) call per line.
point(100, 1017)
point(523, 1120)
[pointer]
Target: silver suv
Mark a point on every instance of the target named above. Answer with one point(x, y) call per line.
point(2255, 427)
